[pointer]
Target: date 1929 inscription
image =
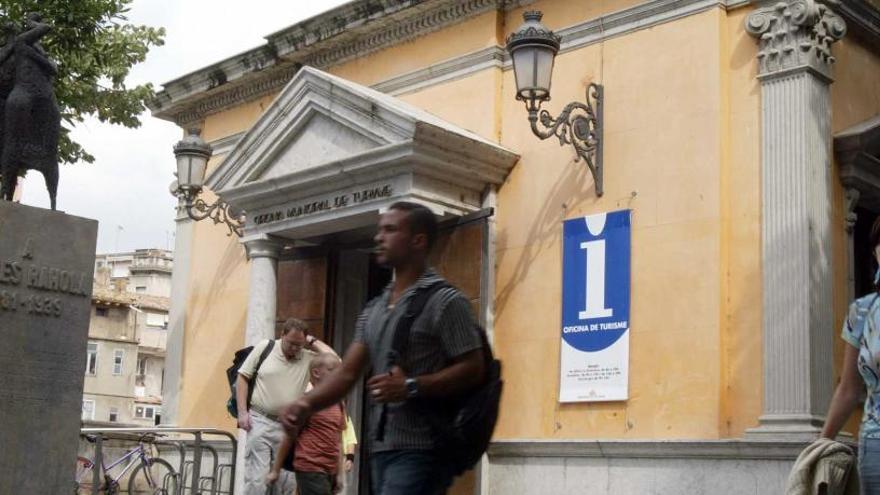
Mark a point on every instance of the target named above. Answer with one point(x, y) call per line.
point(36, 289)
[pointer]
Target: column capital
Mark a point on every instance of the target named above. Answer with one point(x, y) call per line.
point(796, 35)
point(262, 247)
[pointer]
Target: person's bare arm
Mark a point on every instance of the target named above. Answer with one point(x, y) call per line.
point(340, 465)
point(328, 392)
point(283, 450)
point(465, 372)
point(846, 395)
point(241, 394)
point(318, 345)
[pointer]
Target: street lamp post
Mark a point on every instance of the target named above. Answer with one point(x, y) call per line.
point(192, 154)
point(533, 48)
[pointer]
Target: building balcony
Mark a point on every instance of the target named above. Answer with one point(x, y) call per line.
point(150, 267)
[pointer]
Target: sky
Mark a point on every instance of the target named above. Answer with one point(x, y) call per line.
point(127, 187)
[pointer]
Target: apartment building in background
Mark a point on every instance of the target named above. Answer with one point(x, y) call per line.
point(125, 366)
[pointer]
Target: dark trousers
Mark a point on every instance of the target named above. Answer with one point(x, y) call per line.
point(314, 483)
point(409, 472)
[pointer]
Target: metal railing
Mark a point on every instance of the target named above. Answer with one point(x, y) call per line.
point(197, 481)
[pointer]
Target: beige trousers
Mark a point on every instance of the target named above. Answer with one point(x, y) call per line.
point(261, 448)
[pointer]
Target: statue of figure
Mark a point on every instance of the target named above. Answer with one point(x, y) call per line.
point(31, 119)
point(8, 32)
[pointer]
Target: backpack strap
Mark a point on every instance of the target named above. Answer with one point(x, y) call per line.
point(400, 341)
point(253, 380)
point(263, 356)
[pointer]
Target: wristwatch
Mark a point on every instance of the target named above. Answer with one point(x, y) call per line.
point(412, 388)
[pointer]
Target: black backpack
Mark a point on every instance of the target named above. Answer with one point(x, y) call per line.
point(464, 423)
point(232, 375)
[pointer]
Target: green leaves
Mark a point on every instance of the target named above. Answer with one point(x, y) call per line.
point(95, 48)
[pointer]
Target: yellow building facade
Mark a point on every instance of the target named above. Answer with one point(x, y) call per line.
point(747, 168)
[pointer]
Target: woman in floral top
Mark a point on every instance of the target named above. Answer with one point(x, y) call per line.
point(861, 373)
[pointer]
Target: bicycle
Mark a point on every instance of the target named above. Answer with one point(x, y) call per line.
point(149, 475)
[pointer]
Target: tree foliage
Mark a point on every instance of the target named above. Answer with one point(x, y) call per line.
point(95, 47)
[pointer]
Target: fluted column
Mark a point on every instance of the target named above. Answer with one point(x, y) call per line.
point(263, 255)
point(795, 61)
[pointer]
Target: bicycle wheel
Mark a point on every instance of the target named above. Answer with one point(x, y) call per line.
point(156, 477)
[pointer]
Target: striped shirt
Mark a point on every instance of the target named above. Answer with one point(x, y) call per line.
point(445, 329)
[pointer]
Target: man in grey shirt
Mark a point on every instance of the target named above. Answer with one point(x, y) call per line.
point(443, 359)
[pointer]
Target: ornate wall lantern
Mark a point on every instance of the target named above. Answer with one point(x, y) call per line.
point(533, 47)
point(192, 154)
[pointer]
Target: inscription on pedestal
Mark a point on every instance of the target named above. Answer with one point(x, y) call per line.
point(46, 270)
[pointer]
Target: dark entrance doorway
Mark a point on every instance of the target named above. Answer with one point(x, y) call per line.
point(357, 280)
point(864, 264)
point(328, 286)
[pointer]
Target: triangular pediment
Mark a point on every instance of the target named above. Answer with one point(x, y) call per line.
point(319, 118)
point(328, 153)
point(320, 139)
point(316, 119)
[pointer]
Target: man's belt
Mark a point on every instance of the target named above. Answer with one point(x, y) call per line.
point(261, 412)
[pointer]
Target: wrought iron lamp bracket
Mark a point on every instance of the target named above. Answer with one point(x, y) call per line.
point(220, 212)
point(579, 125)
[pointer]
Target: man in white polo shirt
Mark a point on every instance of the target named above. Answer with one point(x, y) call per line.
point(281, 379)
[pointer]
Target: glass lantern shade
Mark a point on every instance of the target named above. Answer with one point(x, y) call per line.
point(532, 48)
point(192, 154)
point(533, 69)
point(191, 170)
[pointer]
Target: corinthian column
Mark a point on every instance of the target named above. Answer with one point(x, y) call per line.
point(795, 60)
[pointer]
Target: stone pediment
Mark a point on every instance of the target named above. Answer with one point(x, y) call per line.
point(328, 148)
point(321, 140)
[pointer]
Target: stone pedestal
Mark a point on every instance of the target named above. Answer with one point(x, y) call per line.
point(47, 262)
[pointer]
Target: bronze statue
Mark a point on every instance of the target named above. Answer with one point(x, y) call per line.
point(31, 121)
point(7, 77)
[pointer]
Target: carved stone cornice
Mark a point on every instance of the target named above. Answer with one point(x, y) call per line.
point(863, 20)
point(358, 28)
point(857, 150)
point(796, 34)
point(236, 93)
point(183, 101)
point(344, 33)
point(350, 37)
